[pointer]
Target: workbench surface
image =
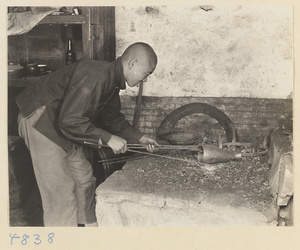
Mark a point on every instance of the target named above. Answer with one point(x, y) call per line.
point(162, 192)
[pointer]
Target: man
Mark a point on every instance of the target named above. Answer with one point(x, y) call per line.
point(58, 114)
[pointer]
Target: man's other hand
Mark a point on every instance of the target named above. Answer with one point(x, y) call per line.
point(150, 142)
point(117, 144)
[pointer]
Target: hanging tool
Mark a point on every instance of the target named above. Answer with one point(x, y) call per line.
point(137, 112)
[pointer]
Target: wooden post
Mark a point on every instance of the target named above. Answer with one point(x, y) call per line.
point(87, 34)
point(103, 33)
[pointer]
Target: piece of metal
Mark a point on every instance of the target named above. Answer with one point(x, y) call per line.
point(239, 144)
point(166, 147)
point(210, 154)
point(163, 156)
point(255, 154)
point(152, 154)
point(122, 159)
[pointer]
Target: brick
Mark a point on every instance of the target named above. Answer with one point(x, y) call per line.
point(128, 105)
point(227, 107)
point(148, 131)
point(150, 118)
point(150, 112)
point(142, 118)
point(128, 111)
point(250, 120)
point(171, 106)
point(146, 124)
point(242, 108)
point(268, 115)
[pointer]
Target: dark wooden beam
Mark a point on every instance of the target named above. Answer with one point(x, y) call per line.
point(87, 34)
point(103, 30)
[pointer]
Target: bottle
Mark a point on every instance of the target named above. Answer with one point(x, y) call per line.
point(70, 54)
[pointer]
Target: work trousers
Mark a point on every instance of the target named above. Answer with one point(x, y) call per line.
point(65, 179)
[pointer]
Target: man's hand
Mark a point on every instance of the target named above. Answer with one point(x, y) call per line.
point(147, 139)
point(117, 144)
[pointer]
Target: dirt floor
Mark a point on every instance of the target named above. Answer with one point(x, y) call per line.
point(24, 205)
point(24, 197)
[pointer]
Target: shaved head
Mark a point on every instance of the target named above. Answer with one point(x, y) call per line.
point(139, 61)
point(142, 52)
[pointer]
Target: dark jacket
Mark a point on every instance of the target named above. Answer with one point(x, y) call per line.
point(82, 104)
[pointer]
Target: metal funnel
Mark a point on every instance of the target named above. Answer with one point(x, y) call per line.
point(210, 154)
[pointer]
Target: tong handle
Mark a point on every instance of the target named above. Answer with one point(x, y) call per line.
point(166, 147)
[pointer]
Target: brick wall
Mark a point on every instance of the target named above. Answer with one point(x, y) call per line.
point(253, 117)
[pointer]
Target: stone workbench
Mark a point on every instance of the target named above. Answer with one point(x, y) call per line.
point(160, 192)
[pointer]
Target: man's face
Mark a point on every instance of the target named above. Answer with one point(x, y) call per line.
point(139, 73)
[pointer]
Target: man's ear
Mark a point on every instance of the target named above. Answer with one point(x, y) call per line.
point(131, 62)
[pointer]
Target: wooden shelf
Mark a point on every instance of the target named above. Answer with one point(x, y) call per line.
point(63, 19)
point(97, 36)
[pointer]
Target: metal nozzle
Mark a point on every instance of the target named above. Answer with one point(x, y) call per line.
point(210, 154)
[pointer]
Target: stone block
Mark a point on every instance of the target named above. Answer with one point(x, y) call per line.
point(281, 172)
point(141, 195)
point(286, 213)
point(286, 179)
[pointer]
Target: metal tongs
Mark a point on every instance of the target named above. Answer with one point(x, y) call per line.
point(132, 148)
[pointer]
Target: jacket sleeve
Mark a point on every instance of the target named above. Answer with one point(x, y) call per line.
point(80, 102)
point(111, 119)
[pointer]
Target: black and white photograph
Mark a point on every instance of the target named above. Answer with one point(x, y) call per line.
point(150, 116)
